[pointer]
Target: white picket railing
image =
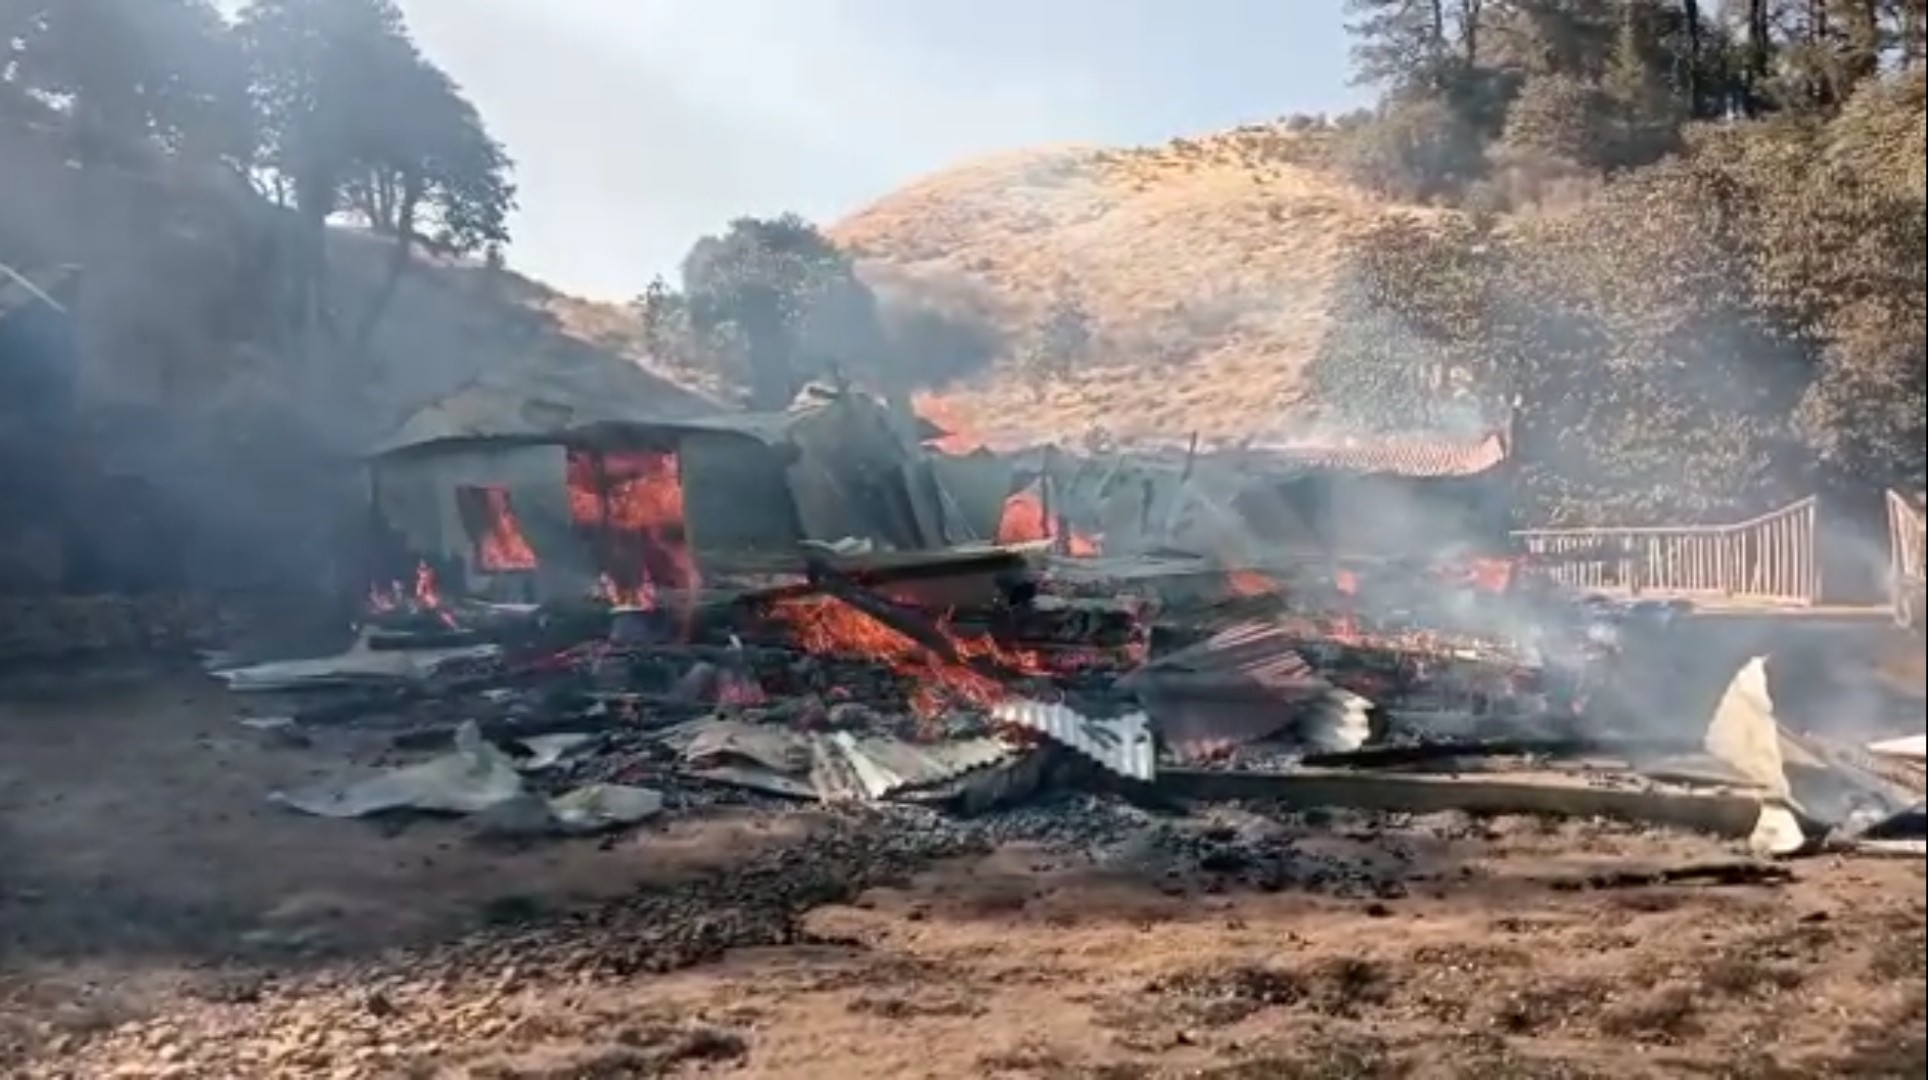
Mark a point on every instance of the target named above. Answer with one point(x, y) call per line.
point(1770, 558)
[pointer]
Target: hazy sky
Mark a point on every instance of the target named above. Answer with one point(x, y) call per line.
point(638, 125)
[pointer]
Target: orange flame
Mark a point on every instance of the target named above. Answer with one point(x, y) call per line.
point(1348, 586)
point(829, 627)
point(1485, 574)
point(502, 547)
point(422, 595)
point(957, 440)
point(633, 500)
point(1024, 521)
point(1249, 583)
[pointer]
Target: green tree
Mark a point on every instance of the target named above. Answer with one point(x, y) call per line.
point(1840, 213)
point(1646, 104)
point(1560, 116)
point(1399, 44)
point(129, 72)
point(1059, 342)
point(1416, 149)
point(665, 319)
point(793, 300)
point(1412, 330)
point(354, 118)
point(430, 177)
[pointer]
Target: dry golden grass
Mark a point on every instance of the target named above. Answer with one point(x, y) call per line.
point(1206, 266)
point(616, 328)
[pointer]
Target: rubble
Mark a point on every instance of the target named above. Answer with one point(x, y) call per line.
point(837, 686)
point(579, 623)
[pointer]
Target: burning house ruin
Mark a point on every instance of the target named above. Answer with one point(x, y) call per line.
point(534, 500)
point(1161, 625)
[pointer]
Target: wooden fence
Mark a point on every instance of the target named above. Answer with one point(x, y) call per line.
point(1905, 564)
point(1769, 559)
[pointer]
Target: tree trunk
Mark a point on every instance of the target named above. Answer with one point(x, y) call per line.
point(1861, 22)
point(1696, 83)
point(1759, 55)
point(406, 206)
point(1469, 16)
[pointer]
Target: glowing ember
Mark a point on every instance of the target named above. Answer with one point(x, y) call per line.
point(735, 689)
point(420, 596)
point(641, 595)
point(1484, 574)
point(499, 546)
point(828, 626)
point(1249, 583)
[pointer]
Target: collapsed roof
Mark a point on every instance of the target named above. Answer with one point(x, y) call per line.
point(534, 404)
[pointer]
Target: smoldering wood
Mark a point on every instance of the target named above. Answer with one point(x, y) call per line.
point(920, 630)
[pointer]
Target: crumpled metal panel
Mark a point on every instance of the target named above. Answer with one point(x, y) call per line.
point(1243, 684)
point(1339, 722)
point(1254, 651)
point(1011, 780)
point(768, 746)
point(883, 766)
point(1122, 745)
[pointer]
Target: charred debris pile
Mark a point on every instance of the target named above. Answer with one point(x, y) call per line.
point(584, 622)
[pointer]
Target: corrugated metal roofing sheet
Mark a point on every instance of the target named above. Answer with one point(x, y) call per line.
point(574, 386)
point(1243, 684)
point(1122, 745)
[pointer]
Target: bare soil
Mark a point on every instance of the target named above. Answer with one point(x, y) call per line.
point(159, 918)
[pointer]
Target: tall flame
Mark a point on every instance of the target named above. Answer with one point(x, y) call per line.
point(633, 502)
point(501, 547)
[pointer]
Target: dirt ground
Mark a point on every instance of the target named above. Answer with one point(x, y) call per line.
point(159, 918)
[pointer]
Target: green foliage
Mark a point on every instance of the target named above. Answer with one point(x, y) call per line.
point(353, 117)
point(793, 300)
point(1739, 303)
point(1415, 149)
point(165, 70)
point(327, 103)
point(665, 319)
point(1411, 329)
point(1058, 344)
point(771, 304)
point(1560, 116)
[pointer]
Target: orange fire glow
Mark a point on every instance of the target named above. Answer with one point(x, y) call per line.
point(420, 595)
point(1024, 521)
point(501, 547)
point(633, 501)
point(1248, 583)
point(1348, 586)
point(958, 439)
point(828, 626)
point(1484, 574)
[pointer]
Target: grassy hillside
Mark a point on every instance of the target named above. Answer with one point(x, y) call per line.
point(1205, 266)
point(177, 305)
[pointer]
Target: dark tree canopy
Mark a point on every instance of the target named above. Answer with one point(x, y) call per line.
point(771, 304)
point(327, 104)
point(1725, 304)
